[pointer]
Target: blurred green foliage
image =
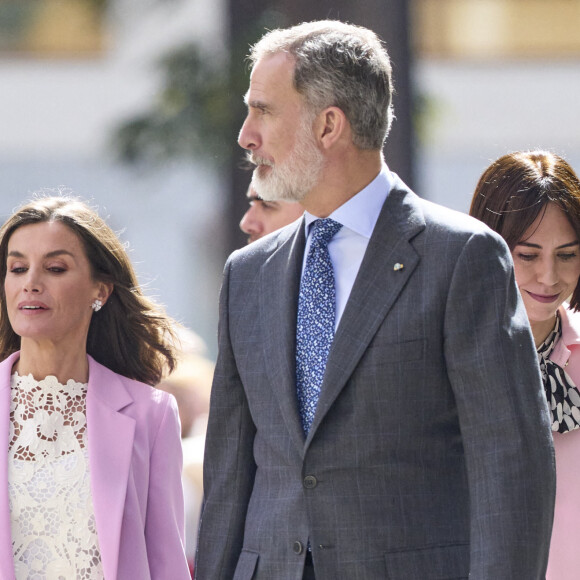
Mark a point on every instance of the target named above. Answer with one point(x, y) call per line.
point(199, 109)
point(190, 117)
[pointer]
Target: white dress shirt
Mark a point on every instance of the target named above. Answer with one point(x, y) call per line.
point(347, 248)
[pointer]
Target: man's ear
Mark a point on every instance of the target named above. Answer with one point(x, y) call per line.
point(332, 126)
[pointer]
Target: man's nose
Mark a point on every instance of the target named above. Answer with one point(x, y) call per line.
point(250, 223)
point(248, 138)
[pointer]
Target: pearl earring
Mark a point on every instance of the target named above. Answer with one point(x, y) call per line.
point(97, 305)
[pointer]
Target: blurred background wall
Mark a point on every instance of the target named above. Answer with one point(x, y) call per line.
point(135, 105)
point(492, 76)
point(72, 72)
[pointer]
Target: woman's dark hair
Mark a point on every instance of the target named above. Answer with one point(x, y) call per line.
point(130, 335)
point(514, 190)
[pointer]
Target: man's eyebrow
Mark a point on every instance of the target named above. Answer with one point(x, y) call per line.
point(255, 104)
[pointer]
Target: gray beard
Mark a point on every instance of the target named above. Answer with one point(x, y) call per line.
point(294, 178)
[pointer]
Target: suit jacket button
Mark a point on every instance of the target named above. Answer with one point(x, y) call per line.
point(297, 547)
point(310, 482)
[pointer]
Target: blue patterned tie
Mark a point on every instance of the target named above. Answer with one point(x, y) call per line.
point(315, 322)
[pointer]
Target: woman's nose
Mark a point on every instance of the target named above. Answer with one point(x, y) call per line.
point(548, 272)
point(32, 283)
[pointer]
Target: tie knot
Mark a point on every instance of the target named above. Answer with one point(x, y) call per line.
point(323, 230)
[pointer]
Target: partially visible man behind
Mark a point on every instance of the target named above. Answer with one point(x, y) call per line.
point(264, 217)
point(377, 409)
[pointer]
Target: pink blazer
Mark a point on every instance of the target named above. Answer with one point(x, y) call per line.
point(564, 561)
point(135, 461)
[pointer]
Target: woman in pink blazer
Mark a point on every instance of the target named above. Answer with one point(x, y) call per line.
point(533, 200)
point(90, 486)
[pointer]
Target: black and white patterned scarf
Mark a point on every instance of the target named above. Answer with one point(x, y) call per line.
point(563, 397)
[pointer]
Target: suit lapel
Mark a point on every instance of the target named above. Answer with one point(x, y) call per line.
point(110, 440)
point(6, 555)
point(279, 285)
point(376, 288)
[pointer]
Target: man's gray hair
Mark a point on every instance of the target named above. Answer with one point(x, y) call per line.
point(341, 65)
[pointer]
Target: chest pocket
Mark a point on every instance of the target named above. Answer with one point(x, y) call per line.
point(392, 352)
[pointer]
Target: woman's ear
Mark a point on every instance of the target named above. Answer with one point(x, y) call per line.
point(332, 126)
point(105, 289)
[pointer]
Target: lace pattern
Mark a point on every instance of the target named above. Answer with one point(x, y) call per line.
point(54, 533)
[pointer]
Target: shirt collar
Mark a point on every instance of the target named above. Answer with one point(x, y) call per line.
point(361, 212)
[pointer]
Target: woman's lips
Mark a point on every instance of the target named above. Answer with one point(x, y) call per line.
point(32, 307)
point(545, 299)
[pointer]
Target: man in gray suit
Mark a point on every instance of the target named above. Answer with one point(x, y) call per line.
point(377, 410)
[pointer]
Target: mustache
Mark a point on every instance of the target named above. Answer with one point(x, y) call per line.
point(256, 160)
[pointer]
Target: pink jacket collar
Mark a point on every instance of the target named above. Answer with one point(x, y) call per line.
point(570, 336)
point(110, 440)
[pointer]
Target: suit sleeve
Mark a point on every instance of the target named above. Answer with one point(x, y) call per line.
point(164, 527)
point(229, 466)
point(492, 365)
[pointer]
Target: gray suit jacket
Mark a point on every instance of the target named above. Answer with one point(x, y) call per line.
point(430, 454)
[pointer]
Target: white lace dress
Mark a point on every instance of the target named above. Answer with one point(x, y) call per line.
point(54, 535)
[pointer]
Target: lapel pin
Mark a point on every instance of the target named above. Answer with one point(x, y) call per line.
point(398, 266)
